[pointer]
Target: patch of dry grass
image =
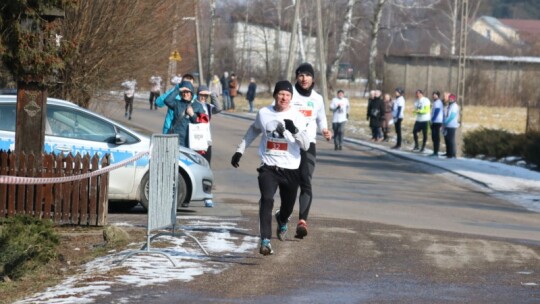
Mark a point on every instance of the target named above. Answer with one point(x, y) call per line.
point(78, 245)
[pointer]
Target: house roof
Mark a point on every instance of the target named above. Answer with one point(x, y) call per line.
point(523, 25)
point(498, 26)
point(419, 40)
point(528, 30)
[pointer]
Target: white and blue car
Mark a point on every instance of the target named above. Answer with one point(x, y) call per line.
point(72, 129)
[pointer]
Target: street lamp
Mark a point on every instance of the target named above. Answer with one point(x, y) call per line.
point(199, 57)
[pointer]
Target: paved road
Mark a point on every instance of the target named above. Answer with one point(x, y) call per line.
point(382, 229)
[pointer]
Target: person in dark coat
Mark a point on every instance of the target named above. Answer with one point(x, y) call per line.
point(250, 95)
point(233, 90)
point(375, 115)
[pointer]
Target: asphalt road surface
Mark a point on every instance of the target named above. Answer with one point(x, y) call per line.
point(381, 230)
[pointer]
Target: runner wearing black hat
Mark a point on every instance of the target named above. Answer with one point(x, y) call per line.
point(311, 104)
point(284, 135)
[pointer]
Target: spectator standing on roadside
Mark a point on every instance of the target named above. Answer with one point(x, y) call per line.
point(397, 112)
point(284, 135)
point(388, 118)
point(233, 90)
point(129, 86)
point(203, 96)
point(340, 114)
point(423, 115)
point(155, 90)
point(251, 92)
point(375, 115)
point(225, 91)
point(160, 102)
point(450, 124)
point(436, 122)
point(311, 104)
point(215, 87)
point(179, 100)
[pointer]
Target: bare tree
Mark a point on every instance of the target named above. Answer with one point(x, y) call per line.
point(114, 40)
point(211, 54)
point(375, 26)
point(344, 40)
point(450, 12)
point(293, 40)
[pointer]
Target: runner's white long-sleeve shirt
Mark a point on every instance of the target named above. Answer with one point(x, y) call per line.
point(274, 149)
point(312, 107)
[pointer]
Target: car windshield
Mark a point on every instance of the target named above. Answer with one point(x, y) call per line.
point(70, 123)
point(75, 124)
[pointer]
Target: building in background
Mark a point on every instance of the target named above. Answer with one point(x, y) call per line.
point(257, 47)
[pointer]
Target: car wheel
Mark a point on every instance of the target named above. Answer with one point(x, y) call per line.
point(145, 188)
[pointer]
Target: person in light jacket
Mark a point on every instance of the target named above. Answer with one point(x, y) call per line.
point(129, 86)
point(340, 114)
point(450, 124)
point(397, 112)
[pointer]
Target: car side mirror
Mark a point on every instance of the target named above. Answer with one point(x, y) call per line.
point(119, 140)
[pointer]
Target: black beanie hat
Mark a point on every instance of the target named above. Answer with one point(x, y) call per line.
point(283, 85)
point(305, 68)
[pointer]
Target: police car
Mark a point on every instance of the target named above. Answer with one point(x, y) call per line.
point(72, 129)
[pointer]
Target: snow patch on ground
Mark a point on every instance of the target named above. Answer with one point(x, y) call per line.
point(515, 184)
point(98, 276)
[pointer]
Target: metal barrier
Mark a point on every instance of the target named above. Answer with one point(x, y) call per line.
point(162, 198)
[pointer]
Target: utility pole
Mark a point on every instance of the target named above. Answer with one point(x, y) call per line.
point(199, 57)
point(172, 59)
point(461, 70)
point(293, 41)
point(320, 48)
point(211, 40)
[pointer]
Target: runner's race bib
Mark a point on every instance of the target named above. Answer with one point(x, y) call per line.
point(276, 146)
point(306, 111)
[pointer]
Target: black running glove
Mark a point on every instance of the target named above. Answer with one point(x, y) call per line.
point(280, 129)
point(236, 159)
point(289, 125)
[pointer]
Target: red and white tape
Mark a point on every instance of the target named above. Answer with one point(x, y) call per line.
point(19, 180)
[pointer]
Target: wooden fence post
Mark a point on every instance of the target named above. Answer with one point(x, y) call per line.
point(103, 193)
point(3, 187)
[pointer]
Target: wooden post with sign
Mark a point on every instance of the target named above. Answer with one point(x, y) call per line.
point(31, 116)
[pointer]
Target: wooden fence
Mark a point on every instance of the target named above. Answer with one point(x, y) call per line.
point(79, 202)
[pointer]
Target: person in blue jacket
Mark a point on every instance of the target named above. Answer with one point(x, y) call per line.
point(184, 112)
point(436, 122)
point(160, 102)
point(450, 124)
